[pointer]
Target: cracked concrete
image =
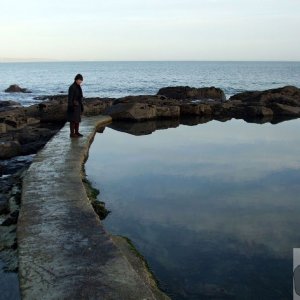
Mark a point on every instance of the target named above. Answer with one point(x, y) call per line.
point(64, 251)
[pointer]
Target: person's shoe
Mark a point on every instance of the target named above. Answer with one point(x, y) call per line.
point(73, 135)
point(79, 134)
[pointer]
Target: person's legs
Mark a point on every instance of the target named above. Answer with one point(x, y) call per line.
point(77, 130)
point(72, 130)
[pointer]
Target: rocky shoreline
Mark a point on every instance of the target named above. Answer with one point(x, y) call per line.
point(25, 130)
point(209, 103)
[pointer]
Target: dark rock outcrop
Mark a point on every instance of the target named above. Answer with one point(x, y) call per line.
point(278, 102)
point(9, 149)
point(12, 171)
point(186, 92)
point(21, 133)
point(25, 130)
point(12, 118)
point(8, 105)
point(196, 109)
point(143, 107)
point(54, 109)
point(27, 140)
point(267, 105)
point(14, 88)
point(288, 95)
point(132, 111)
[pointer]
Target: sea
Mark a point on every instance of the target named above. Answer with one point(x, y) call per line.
point(213, 208)
point(123, 78)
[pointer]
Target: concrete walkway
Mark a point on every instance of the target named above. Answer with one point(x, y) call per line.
point(64, 251)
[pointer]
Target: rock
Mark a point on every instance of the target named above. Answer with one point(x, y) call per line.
point(258, 111)
point(7, 105)
point(196, 109)
point(250, 106)
point(33, 138)
point(55, 108)
point(288, 95)
point(25, 141)
point(3, 128)
point(131, 111)
point(14, 123)
point(157, 100)
point(96, 106)
point(51, 97)
point(8, 253)
point(14, 88)
point(49, 111)
point(4, 207)
point(285, 110)
point(246, 97)
point(10, 149)
point(167, 111)
point(12, 219)
point(32, 121)
point(12, 118)
point(279, 102)
point(10, 167)
point(186, 92)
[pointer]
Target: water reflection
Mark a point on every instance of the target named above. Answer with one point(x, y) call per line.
point(214, 208)
point(9, 284)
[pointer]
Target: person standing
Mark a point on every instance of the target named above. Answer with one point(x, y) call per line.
point(75, 106)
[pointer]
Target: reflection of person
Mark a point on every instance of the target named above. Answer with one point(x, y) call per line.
point(75, 106)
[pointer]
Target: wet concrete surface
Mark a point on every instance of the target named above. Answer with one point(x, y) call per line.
point(64, 251)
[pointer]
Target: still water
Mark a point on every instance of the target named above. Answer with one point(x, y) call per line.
point(214, 208)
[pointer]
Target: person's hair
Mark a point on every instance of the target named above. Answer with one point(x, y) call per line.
point(78, 77)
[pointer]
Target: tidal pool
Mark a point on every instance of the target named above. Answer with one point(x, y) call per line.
point(214, 208)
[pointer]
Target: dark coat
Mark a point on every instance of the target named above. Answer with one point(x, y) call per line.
point(75, 106)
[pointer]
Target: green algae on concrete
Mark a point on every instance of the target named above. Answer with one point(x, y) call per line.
point(64, 251)
point(92, 193)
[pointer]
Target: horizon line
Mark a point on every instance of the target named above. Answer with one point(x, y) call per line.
point(42, 60)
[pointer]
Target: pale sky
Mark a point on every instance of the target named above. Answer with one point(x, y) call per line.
point(150, 29)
